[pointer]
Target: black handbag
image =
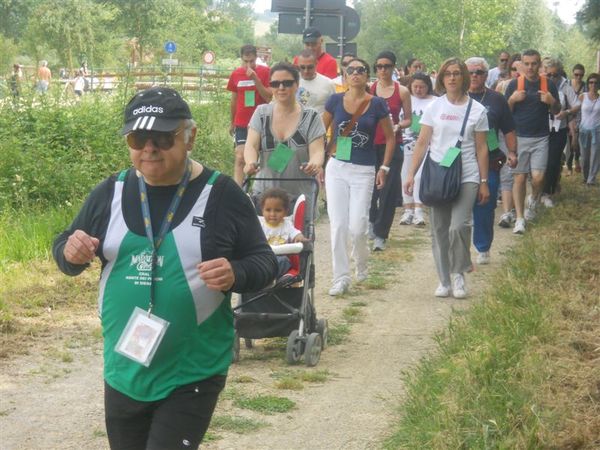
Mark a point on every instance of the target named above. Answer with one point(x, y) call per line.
point(441, 185)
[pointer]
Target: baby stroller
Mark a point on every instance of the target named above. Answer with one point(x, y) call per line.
point(286, 309)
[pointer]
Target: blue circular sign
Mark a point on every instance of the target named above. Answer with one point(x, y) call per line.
point(170, 47)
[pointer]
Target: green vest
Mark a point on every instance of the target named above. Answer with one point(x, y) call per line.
point(198, 340)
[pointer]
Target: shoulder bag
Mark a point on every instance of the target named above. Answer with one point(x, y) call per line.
point(441, 185)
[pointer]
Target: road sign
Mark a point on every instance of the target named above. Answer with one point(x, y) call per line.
point(170, 47)
point(327, 24)
point(334, 48)
point(209, 57)
point(300, 5)
point(170, 62)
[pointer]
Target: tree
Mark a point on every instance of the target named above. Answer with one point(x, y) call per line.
point(589, 17)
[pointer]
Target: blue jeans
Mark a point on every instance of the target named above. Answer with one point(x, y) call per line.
point(483, 216)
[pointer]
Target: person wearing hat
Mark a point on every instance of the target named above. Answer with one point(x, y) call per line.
point(174, 239)
point(326, 64)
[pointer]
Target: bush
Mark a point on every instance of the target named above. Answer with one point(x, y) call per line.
point(53, 152)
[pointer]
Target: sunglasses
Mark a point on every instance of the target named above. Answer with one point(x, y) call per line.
point(552, 75)
point(578, 75)
point(513, 69)
point(383, 66)
point(478, 72)
point(360, 70)
point(452, 74)
point(309, 67)
point(503, 60)
point(284, 83)
point(163, 140)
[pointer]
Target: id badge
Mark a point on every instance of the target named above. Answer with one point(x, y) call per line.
point(415, 125)
point(492, 140)
point(280, 158)
point(343, 150)
point(142, 336)
point(450, 156)
point(249, 98)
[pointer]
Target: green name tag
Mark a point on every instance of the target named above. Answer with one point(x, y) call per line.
point(343, 150)
point(249, 98)
point(280, 158)
point(415, 125)
point(450, 156)
point(492, 139)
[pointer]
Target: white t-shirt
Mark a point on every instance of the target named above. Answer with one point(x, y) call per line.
point(409, 137)
point(493, 76)
point(315, 93)
point(79, 84)
point(446, 120)
point(284, 233)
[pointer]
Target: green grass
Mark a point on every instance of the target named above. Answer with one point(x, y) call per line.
point(239, 425)
point(338, 333)
point(493, 383)
point(266, 404)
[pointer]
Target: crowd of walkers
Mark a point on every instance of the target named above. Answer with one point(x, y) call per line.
point(366, 132)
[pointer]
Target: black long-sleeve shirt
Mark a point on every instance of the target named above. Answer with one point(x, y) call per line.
point(230, 229)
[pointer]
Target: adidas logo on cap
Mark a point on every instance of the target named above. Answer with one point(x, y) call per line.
point(148, 109)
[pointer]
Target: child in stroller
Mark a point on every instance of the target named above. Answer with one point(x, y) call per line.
point(278, 228)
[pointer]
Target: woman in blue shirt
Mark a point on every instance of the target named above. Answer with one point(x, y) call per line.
point(350, 173)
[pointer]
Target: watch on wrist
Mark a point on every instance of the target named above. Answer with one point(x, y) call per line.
point(483, 180)
point(386, 169)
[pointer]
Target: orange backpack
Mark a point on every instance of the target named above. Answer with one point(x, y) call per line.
point(543, 83)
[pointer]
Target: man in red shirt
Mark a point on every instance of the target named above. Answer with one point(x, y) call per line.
point(326, 64)
point(249, 88)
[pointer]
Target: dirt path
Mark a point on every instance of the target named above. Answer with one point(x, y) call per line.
point(49, 403)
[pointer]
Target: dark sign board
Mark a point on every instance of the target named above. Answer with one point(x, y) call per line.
point(293, 23)
point(334, 49)
point(300, 5)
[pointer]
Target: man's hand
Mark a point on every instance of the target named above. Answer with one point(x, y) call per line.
point(250, 73)
point(512, 159)
point(518, 96)
point(483, 195)
point(80, 248)
point(547, 98)
point(561, 115)
point(217, 274)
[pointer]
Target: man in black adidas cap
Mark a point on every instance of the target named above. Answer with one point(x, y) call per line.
point(174, 239)
point(326, 64)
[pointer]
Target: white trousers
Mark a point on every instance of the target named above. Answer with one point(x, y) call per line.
point(406, 164)
point(349, 190)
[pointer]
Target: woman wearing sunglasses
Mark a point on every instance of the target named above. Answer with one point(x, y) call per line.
point(440, 131)
point(285, 139)
point(589, 130)
point(351, 175)
point(397, 97)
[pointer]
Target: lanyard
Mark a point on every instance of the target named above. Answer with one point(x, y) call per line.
point(166, 223)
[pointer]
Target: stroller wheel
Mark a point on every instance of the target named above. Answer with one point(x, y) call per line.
point(312, 353)
point(323, 330)
point(293, 351)
point(248, 342)
point(236, 348)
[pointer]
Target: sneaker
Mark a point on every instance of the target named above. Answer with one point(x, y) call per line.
point(418, 219)
point(483, 258)
point(407, 217)
point(458, 285)
point(530, 209)
point(378, 244)
point(370, 232)
point(519, 226)
point(442, 291)
point(505, 220)
point(338, 288)
point(547, 201)
point(362, 276)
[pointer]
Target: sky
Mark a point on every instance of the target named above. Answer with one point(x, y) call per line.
point(566, 9)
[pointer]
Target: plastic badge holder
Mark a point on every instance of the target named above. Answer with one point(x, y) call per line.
point(142, 336)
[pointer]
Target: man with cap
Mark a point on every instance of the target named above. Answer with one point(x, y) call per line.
point(314, 89)
point(174, 239)
point(326, 64)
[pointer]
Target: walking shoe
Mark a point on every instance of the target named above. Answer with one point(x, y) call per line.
point(407, 217)
point(547, 201)
point(530, 209)
point(505, 220)
point(370, 232)
point(378, 244)
point(458, 285)
point(338, 288)
point(362, 276)
point(483, 258)
point(442, 291)
point(519, 226)
point(418, 219)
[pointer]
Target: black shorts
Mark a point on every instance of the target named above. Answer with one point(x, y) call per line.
point(178, 421)
point(240, 134)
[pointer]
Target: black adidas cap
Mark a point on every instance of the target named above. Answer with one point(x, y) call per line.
point(157, 109)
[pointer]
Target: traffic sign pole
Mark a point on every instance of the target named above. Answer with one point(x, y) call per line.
point(307, 16)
